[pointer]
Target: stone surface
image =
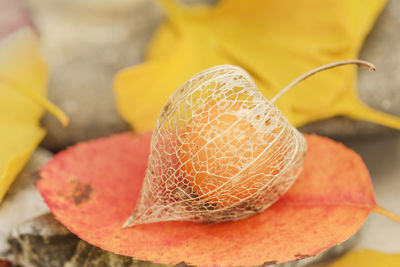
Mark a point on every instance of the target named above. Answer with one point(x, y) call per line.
point(342, 128)
point(43, 241)
point(22, 201)
point(85, 43)
point(88, 255)
point(379, 90)
point(382, 157)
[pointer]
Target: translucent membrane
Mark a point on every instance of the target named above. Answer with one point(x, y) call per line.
point(220, 152)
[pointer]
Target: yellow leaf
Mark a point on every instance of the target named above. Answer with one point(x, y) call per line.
point(23, 78)
point(367, 258)
point(275, 41)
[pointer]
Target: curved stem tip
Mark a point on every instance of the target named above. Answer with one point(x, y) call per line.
point(360, 63)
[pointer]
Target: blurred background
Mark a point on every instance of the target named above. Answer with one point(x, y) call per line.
point(86, 42)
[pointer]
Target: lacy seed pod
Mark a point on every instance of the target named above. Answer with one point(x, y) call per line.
point(220, 151)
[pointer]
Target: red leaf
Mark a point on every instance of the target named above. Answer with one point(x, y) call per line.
point(92, 188)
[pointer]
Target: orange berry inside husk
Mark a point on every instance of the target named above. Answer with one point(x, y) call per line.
point(225, 157)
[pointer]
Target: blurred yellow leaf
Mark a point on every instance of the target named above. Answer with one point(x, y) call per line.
point(23, 78)
point(367, 258)
point(275, 41)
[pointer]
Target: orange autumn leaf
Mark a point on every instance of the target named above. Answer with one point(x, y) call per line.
point(92, 188)
point(275, 41)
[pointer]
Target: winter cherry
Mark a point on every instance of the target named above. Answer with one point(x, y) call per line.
point(220, 150)
point(216, 156)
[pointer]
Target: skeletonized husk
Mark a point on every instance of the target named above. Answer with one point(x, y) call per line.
point(220, 151)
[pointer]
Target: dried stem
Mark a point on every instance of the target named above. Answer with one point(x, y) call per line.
point(360, 63)
point(42, 101)
point(378, 209)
